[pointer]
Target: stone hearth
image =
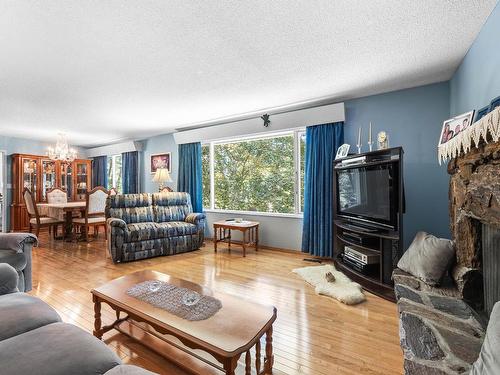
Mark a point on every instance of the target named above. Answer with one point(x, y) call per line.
point(440, 334)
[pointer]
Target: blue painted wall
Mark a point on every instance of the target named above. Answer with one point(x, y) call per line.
point(157, 145)
point(412, 118)
point(477, 80)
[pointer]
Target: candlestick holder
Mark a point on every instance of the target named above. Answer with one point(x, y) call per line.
point(370, 146)
point(359, 144)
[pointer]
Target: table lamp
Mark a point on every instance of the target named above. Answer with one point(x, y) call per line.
point(161, 176)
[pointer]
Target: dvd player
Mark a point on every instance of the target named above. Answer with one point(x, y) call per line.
point(359, 239)
point(362, 256)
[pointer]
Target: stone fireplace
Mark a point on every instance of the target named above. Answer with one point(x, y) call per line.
point(475, 224)
point(442, 327)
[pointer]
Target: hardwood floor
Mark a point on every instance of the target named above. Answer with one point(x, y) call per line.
point(312, 335)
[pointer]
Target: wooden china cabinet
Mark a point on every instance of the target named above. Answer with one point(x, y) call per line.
point(40, 174)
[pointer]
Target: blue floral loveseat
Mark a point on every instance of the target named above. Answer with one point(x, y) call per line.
point(148, 225)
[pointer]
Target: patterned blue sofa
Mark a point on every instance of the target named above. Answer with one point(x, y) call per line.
point(142, 226)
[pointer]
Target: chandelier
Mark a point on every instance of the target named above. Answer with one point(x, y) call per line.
point(61, 151)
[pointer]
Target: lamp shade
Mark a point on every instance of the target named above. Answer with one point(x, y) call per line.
point(162, 175)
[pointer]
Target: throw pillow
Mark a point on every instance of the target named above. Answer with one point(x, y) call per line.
point(428, 258)
point(488, 362)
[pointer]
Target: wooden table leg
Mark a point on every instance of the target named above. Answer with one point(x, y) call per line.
point(257, 238)
point(68, 220)
point(269, 360)
point(229, 239)
point(97, 317)
point(248, 363)
point(244, 243)
point(215, 239)
point(230, 366)
point(257, 357)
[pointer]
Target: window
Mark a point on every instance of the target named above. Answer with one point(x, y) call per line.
point(260, 174)
point(115, 172)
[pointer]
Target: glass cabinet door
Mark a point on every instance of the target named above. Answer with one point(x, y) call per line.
point(67, 179)
point(81, 180)
point(48, 177)
point(30, 174)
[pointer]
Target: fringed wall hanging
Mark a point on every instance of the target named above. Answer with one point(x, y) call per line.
point(450, 145)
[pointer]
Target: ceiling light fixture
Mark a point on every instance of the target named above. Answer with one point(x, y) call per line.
point(61, 151)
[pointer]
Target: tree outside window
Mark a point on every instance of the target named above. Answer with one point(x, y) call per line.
point(115, 172)
point(259, 174)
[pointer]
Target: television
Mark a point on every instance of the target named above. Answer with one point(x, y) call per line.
point(368, 194)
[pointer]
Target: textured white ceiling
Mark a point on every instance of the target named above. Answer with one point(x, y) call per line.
point(107, 70)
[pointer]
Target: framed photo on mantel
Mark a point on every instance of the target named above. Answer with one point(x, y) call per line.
point(161, 161)
point(453, 127)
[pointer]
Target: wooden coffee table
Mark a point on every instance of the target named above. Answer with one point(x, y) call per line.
point(204, 347)
point(249, 229)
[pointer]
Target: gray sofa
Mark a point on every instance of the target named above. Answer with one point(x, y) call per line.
point(147, 225)
point(34, 340)
point(15, 249)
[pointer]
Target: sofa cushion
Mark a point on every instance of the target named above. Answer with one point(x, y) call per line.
point(21, 313)
point(173, 206)
point(141, 232)
point(56, 349)
point(176, 198)
point(131, 208)
point(428, 258)
point(176, 228)
point(15, 259)
point(129, 370)
point(488, 362)
point(152, 231)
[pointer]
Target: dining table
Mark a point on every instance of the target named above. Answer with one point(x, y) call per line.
point(63, 211)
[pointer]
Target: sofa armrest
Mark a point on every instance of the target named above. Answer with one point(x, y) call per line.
point(195, 218)
point(116, 236)
point(21, 243)
point(8, 279)
point(18, 242)
point(114, 222)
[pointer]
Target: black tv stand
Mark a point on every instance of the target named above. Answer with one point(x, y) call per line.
point(359, 227)
point(374, 240)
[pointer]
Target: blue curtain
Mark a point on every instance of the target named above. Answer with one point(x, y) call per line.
point(322, 142)
point(99, 171)
point(189, 179)
point(130, 172)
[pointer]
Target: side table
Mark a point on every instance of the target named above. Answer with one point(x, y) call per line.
point(249, 229)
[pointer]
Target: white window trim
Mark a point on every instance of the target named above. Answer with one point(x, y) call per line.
point(296, 164)
point(253, 213)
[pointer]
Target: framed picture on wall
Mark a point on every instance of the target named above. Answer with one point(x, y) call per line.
point(161, 161)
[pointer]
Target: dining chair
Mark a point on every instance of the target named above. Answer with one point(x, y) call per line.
point(166, 189)
point(95, 205)
point(57, 195)
point(113, 191)
point(35, 220)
